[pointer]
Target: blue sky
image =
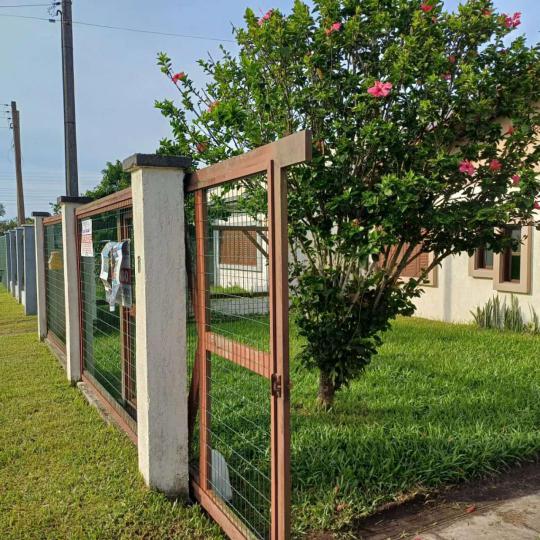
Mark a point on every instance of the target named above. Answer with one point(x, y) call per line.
point(116, 80)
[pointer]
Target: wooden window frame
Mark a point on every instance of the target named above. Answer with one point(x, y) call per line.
point(523, 286)
point(256, 268)
point(481, 272)
point(432, 277)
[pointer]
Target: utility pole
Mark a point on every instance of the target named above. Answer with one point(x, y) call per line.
point(70, 135)
point(18, 162)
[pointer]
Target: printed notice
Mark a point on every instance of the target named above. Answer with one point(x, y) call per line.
point(87, 246)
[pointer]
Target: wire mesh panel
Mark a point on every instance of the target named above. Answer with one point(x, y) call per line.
point(238, 362)
point(108, 305)
point(54, 281)
point(3, 262)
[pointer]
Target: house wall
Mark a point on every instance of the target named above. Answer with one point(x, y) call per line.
point(457, 293)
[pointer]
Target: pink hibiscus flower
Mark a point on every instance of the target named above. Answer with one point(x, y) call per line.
point(467, 167)
point(336, 27)
point(512, 21)
point(425, 7)
point(265, 17)
point(380, 89)
point(178, 77)
point(516, 179)
point(495, 165)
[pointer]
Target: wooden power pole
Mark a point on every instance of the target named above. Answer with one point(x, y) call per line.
point(70, 136)
point(18, 162)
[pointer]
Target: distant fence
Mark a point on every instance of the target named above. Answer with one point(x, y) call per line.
point(3, 262)
point(54, 281)
point(106, 284)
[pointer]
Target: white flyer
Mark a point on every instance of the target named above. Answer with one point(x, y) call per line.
point(87, 245)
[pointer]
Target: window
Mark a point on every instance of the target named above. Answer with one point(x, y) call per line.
point(484, 259)
point(237, 247)
point(415, 267)
point(512, 267)
point(481, 263)
point(511, 257)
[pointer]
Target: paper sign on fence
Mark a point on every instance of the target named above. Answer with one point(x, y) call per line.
point(87, 246)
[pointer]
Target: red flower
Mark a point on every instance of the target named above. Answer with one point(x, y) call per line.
point(336, 27)
point(516, 179)
point(510, 131)
point(467, 167)
point(486, 12)
point(426, 8)
point(512, 21)
point(536, 205)
point(265, 17)
point(380, 89)
point(178, 77)
point(452, 59)
point(495, 165)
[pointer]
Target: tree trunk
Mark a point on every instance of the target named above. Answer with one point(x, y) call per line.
point(327, 390)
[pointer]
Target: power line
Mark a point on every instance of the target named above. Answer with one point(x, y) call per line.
point(122, 28)
point(24, 5)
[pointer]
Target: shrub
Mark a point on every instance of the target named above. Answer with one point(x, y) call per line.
point(500, 316)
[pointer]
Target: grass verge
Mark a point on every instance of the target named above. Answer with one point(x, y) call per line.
point(64, 473)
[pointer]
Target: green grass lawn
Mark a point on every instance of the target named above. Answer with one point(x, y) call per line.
point(439, 405)
point(64, 474)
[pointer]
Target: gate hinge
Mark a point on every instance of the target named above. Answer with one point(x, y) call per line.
point(276, 385)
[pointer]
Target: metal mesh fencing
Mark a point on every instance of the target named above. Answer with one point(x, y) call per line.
point(54, 281)
point(3, 261)
point(236, 438)
point(108, 305)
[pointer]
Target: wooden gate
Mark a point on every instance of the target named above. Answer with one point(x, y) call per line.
point(240, 379)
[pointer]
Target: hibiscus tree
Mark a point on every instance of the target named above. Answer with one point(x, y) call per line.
point(405, 102)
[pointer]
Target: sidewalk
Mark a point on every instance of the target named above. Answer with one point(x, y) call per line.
point(64, 473)
point(504, 508)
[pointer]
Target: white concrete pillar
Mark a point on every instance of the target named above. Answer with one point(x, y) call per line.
point(30, 303)
point(13, 248)
point(41, 295)
point(8, 257)
point(68, 206)
point(19, 250)
point(160, 290)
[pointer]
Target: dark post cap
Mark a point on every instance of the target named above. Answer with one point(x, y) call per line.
point(79, 200)
point(40, 214)
point(154, 160)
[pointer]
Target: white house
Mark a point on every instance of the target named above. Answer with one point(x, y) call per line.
point(463, 283)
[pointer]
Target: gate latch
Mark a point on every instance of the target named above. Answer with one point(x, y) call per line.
point(276, 385)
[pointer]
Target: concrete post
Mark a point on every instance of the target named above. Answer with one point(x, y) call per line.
point(8, 260)
point(30, 301)
point(12, 263)
point(160, 289)
point(41, 296)
point(13, 256)
point(68, 206)
point(19, 246)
